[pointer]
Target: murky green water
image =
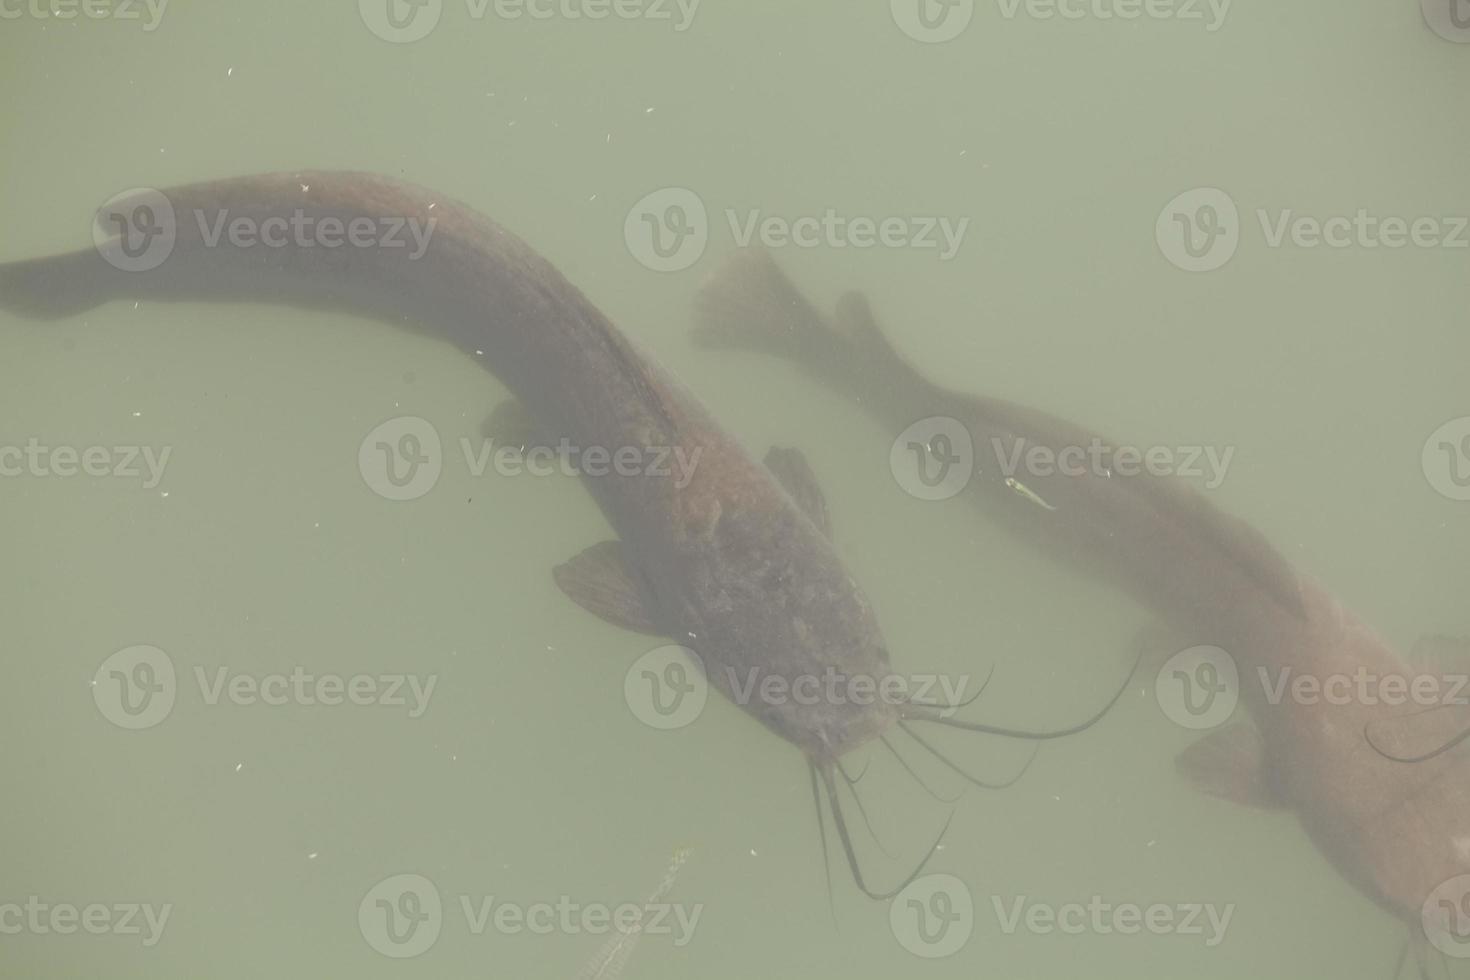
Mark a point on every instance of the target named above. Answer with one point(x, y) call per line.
point(262, 829)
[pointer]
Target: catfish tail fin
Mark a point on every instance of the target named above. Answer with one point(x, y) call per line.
point(56, 286)
point(751, 304)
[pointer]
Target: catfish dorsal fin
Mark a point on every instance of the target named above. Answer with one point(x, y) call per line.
point(795, 475)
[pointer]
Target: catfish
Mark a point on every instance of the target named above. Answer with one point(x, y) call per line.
point(1396, 831)
point(732, 560)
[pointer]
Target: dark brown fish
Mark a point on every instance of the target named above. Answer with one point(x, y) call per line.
point(1395, 831)
point(726, 563)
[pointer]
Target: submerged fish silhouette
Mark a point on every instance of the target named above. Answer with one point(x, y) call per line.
point(1395, 831)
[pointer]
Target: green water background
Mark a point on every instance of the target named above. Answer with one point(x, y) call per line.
point(529, 777)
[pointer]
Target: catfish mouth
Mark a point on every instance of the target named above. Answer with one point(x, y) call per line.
point(825, 766)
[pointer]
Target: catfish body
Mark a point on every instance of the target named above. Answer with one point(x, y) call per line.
point(726, 563)
point(1396, 831)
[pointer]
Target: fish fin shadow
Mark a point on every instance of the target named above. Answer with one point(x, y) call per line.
point(511, 424)
point(1231, 764)
point(795, 475)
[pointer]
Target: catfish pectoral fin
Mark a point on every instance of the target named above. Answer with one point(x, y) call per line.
point(795, 475)
point(1230, 764)
point(600, 581)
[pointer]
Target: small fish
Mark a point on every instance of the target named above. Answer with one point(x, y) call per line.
point(1027, 492)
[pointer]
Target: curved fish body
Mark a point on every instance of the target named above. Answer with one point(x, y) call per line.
point(1397, 831)
point(721, 560)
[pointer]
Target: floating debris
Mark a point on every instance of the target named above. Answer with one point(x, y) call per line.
point(608, 962)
